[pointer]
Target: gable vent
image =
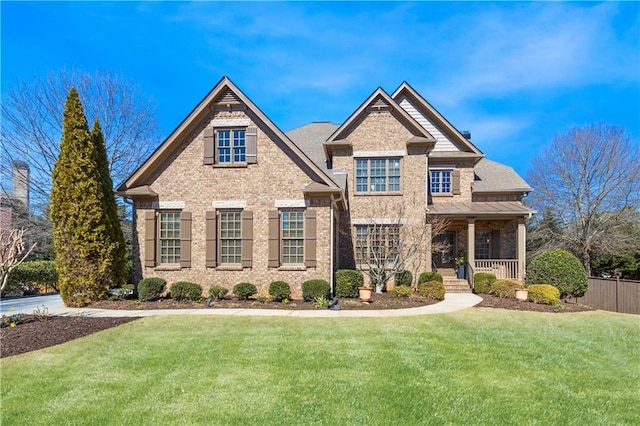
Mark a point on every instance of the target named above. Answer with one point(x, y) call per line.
point(227, 97)
point(379, 105)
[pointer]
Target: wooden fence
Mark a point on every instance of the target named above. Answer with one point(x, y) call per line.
point(613, 294)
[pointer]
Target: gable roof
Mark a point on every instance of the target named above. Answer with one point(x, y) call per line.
point(378, 100)
point(494, 177)
point(226, 92)
point(434, 116)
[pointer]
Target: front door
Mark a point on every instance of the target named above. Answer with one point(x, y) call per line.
point(445, 244)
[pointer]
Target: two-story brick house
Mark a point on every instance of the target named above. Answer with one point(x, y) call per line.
point(228, 197)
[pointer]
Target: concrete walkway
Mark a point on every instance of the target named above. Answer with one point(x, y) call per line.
point(452, 302)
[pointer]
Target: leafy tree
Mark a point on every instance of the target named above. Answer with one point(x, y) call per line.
point(87, 240)
point(588, 178)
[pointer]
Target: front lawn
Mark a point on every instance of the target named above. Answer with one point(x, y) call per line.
point(479, 366)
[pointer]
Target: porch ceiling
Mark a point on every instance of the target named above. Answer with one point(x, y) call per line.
point(494, 208)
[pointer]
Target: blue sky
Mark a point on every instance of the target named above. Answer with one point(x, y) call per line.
point(514, 74)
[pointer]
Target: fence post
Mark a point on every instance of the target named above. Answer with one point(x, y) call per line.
point(617, 283)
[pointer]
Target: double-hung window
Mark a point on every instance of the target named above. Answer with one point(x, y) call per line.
point(377, 245)
point(440, 181)
point(377, 175)
point(231, 146)
point(292, 227)
point(169, 233)
point(230, 237)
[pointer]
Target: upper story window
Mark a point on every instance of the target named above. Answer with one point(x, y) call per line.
point(292, 237)
point(231, 146)
point(169, 237)
point(440, 181)
point(376, 175)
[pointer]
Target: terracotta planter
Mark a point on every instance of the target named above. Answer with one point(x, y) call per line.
point(390, 286)
point(522, 294)
point(365, 293)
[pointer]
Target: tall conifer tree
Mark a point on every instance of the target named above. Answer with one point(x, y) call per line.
point(85, 242)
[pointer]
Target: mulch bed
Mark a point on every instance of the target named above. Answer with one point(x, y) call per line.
point(31, 333)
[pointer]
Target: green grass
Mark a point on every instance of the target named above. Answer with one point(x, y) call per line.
point(479, 366)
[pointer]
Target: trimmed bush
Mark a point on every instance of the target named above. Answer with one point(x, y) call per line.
point(38, 273)
point(544, 293)
point(400, 291)
point(505, 288)
point(404, 278)
point(151, 288)
point(482, 282)
point(312, 289)
point(184, 290)
point(279, 290)
point(347, 282)
point(432, 290)
point(244, 291)
point(217, 292)
point(562, 270)
point(430, 276)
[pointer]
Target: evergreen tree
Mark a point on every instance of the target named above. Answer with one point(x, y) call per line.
point(86, 242)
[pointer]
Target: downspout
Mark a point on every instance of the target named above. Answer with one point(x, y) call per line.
point(331, 247)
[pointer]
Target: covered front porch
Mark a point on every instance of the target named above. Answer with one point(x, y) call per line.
point(481, 237)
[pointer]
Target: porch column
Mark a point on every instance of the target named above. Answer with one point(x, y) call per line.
point(427, 255)
point(522, 250)
point(471, 242)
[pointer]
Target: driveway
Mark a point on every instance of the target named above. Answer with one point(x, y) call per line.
point(26, 304)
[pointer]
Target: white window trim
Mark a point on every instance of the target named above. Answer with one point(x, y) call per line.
point(230, 122)
point(379, 154)
point(291, 204)
point(168, 205)
point(229, 204)
point(378, 221)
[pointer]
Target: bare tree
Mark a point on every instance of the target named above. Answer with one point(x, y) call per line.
point(32, 123)
point(588, 178)
point(13, 250)
point(394, 240)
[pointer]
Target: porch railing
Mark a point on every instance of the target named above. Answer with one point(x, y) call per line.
point(501, 268)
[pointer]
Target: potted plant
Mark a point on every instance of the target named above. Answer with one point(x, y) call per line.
point(461, 261)
point(522, 294)
point(364, 293)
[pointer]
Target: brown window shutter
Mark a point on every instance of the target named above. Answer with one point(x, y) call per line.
point(495, 244)
point(185, 239)
point(310, 238)
point(251, 136)
point(274, 239)
point(209, 146)
point(149, 238)
point(247, 239)
point(211, 228)
point(455, 182)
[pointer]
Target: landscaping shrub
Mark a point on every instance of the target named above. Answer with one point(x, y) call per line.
point(279, 290)
point(151, 288)
point(544, 293)
point(482, 282)
point(217, 292)
point(430, 276)
point(400, 291)
point(432, 290)
point(244, 291)
point(347, 282)
point(184, 290)
point(403, 278)
point(40, 274)
point(505, 288)
point(312, 289)
point(560, 269)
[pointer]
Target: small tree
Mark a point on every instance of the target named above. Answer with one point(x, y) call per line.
point(13, 250)
point(87, 240)
point(560, 269)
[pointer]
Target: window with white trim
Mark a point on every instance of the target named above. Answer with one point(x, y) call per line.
point(292, 226)
point(376, 244)
point(169, 237)
point(230, 240)
point(440, 181)
point(231, 146)
point(376, 175)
